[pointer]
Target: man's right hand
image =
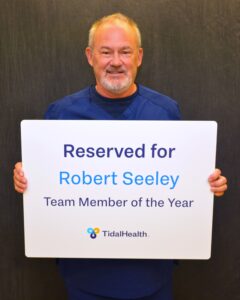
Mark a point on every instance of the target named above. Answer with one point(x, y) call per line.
point(20, 182)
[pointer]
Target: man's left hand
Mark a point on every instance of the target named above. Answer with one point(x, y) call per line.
point(218, 183)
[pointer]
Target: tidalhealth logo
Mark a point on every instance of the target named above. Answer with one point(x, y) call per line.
point(93, 232)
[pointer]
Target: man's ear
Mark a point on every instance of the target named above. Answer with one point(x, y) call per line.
point(140, 56)
point(88, 52)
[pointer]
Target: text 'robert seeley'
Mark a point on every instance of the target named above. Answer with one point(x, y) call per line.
point(113, 178)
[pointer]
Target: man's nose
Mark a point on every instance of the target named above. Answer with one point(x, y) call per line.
point(116, 59)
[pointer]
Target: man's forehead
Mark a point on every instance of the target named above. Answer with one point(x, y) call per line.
point(115, 24)
point(107, 30)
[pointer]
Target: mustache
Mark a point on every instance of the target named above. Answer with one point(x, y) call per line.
point(114, 70)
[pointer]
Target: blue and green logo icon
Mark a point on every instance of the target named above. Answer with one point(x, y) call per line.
point(93, 232)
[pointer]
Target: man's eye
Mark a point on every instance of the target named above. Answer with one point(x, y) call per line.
point(126, 53)
point(105, 53)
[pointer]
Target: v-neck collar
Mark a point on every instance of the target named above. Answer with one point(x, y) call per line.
point(106, 115)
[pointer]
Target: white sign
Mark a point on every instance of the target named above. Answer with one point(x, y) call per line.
point(118, 189)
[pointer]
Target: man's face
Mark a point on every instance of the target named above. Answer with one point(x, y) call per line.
point(115, 57)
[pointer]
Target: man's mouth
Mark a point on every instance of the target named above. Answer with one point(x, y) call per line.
point(115, 72)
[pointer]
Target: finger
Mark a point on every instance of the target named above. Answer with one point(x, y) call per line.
point(19, 184)
point(19, 190)
point(219, 182)
point(215, 175)
point(18, 165)
point(19, 176)
point(220, 189)
point(219, 194)
point(18, 170)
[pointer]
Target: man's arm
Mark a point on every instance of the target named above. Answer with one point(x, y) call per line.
point(217, 182)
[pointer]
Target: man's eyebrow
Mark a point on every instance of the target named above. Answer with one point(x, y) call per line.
point(105, 47)
point(126, 48)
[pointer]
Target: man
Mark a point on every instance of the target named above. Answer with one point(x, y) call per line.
point(114, 51)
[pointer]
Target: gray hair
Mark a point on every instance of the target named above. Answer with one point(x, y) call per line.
point(116, 19)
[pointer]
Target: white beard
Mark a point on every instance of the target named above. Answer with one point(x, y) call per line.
point(115, 85)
